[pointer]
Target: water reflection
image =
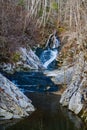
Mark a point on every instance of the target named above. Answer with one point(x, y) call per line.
point(72, 117)
point(48, 116)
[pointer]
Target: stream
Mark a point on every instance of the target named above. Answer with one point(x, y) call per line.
point(49, 114)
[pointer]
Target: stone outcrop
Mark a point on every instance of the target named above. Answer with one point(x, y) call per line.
point(75, 96)
point(29, 59)
point(62, 76)
point(26, 60)
point(13, 103)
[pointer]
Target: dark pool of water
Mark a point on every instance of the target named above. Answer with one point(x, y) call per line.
point(32, 82)
point(49, 115)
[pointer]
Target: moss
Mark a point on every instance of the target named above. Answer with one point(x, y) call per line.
point(21, 3)
point(61, 29)
point(16, 57)
point(54, 5)
point(40, 12)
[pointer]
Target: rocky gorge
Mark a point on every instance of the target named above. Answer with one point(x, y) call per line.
point(14, 104)
point(43, 65)
point(72, 77)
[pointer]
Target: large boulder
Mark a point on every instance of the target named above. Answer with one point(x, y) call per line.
point(13, 103)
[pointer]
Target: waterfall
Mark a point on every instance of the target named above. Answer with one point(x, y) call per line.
point(51, 50)
point(48, 56)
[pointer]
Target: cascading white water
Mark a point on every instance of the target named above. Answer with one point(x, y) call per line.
point(48, 56)
point(51, 50)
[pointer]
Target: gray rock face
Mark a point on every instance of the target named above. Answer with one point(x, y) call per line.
point(72, 96)
point(28, 60)
point(61, 76)
point(75, 103)
point(13, 103)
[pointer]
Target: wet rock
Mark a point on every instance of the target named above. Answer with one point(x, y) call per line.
point(13, 104)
